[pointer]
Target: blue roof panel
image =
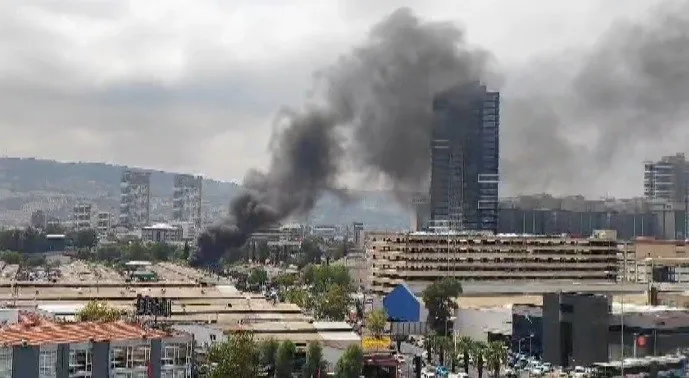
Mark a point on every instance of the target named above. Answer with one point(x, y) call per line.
point(402, 305)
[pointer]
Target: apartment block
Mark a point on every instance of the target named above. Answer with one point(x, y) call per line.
point(135, 198)
point(103, 222)
point(98, 350)
point(419, 258)
point(650, 260)
point(187, 199)
point(667, 178)
point(81, 216)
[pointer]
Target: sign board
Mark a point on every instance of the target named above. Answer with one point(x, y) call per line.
point(369, 344)
point(151, 306)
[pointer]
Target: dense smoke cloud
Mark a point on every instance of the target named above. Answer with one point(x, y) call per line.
point(564, 132)
point(374, 112)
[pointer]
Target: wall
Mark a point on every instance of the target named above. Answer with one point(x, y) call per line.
point(202, 333)
point(575, 329)
point(477, 322)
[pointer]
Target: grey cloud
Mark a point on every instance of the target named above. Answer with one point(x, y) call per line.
point(630, 91)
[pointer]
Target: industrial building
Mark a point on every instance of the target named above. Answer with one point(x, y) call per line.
point(575, 215)
point(465, 158)
point(419, 258)
point(118, 349)
point(135, 198)
point(649, 260)
point(187, 199)
point(575, 328)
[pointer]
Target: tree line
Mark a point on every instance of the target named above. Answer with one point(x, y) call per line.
point(241, 356)
point(312, 250)
point(440, 299)
point(33, 240)
point(324, 290)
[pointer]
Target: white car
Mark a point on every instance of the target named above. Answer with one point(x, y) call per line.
point(536, 371)
point(579, 372)
point(547, 367)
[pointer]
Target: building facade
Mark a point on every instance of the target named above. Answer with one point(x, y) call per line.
point(421, 212)
point(465, 158)
point(420, 258)
point(575, 329)
point(81, 216)
point(667, 179)
point(187, 199)
point(135, 198)
point(162, 233)
point(103, 222)
point(94, 350)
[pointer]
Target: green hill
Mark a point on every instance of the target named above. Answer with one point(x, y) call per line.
point(26, 183)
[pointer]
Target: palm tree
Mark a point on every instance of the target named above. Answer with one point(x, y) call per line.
point(465, 346)
point(479, 349)
point(496, 355)
point(444, 344)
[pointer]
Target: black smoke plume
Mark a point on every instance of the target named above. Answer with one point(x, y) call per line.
point(374, 113)
point(584, 122)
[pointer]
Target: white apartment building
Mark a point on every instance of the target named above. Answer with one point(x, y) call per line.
point(135, 198)
point(103, 222)
point(162, 233)
point(82, 216)
point(187, 199)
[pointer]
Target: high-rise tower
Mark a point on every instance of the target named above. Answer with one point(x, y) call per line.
point(186, 200)
point(465, 158)
point(135, 198)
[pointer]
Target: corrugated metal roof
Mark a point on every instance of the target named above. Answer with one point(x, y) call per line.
point(324, 326)
point(339, 336)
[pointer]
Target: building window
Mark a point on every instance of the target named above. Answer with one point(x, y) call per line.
point(47, 363)
point(130, 357)
point(5, 362)
point(80, 364)
point(176, 354)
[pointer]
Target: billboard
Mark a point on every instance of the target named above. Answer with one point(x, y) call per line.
point(151, 306)
point(372, 344)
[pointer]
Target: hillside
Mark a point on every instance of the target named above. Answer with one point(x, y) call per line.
point(34, 184)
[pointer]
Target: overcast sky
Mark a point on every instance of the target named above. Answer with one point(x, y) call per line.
point(193, 85)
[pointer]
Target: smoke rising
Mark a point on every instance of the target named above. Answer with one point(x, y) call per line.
point(564, 131)
point(374, 112)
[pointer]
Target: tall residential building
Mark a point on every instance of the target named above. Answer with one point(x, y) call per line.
point(135, 199)
point(464, 158)
point(103, 222)
point(81, 216)
point(667, 179)
point(186, 201)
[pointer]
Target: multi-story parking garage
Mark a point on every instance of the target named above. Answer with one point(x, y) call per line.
point(419, 258)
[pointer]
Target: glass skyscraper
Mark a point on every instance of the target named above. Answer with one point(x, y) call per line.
point(465, 158)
